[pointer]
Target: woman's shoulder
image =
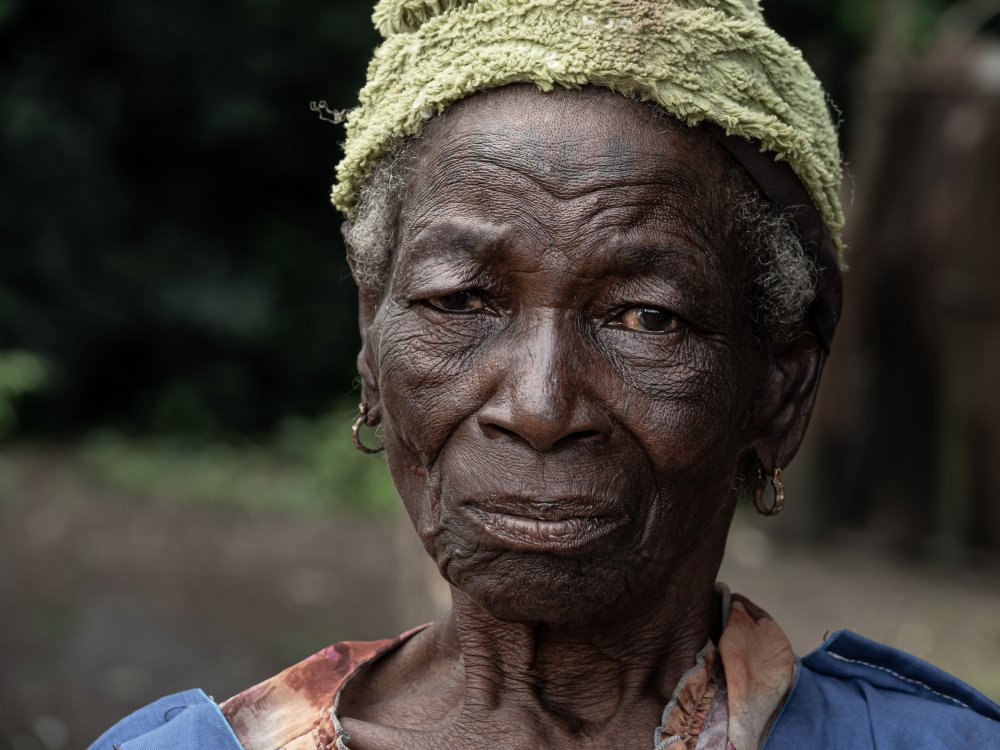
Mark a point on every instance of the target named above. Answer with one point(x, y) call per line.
point(289, 707)
point(190, 719)
point(274, 713)
point(854, 692)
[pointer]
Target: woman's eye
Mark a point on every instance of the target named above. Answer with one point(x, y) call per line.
point(648, 320)
point(458, 302)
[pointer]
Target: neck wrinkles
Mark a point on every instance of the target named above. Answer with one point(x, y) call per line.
point(582, 678)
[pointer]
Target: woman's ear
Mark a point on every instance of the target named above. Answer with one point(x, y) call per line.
point(368, 300)
point(786, 401)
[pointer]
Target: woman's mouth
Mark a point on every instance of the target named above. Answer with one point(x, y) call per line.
point(542, 526)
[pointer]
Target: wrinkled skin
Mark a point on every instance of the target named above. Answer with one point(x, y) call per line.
point(570, 388)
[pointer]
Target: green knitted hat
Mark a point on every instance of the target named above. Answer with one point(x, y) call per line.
point(701, 60)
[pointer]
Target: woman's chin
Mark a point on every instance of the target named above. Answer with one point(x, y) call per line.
point(555, 592)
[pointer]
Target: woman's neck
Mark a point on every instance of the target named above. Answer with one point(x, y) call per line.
point(601, 682)
point(577, 675)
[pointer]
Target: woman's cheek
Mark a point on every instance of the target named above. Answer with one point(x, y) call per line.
point(681, 404)
point(426, 380)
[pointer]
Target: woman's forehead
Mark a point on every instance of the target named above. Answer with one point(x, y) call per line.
point(570, 163)
point(568, 134)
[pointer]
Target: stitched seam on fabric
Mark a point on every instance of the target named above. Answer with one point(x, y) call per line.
point(658, 741)
point(342, 737)
point(896, 674)
point(668, 742)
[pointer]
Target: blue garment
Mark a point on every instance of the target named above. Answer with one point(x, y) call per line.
point(849, 694)
point(854, 693)
point(183, 721)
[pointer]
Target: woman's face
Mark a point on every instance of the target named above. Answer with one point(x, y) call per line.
point(563, 352)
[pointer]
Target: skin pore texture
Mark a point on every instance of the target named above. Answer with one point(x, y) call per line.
point(564, 366)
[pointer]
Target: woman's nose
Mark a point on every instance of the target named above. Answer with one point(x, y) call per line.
point(546, 397)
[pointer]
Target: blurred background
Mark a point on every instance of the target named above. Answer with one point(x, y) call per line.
point(180, 504)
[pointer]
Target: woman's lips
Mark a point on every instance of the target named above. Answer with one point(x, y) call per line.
point(550, 526)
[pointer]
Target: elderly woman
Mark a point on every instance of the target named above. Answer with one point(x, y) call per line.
point(597, 245)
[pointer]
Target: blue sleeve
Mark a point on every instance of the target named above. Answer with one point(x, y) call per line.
point(184, 721)
point(858, 694)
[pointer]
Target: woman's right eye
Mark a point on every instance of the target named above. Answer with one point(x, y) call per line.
point(648, 320)
point(457, 302)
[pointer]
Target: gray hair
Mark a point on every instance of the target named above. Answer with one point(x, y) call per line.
point(372, 234)
point(785, 274)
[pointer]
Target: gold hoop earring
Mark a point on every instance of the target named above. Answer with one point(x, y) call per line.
point(362, 419)
point(779, 494)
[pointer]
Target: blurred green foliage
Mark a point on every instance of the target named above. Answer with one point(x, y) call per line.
point(305, 467)
point(166, 242)
point(21, 373)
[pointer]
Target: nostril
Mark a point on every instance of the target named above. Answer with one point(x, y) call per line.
point(581, 436)
point(544, 430)
point(494, 431)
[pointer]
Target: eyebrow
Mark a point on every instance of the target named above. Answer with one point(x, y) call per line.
point(488, 246)
point(642, 255)
point(461, 240)
point(449, 248)
point(647, 256)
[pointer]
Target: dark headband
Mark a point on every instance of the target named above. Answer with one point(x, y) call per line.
point(782, 187)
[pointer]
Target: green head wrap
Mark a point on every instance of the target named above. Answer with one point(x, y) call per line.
point(710, 61)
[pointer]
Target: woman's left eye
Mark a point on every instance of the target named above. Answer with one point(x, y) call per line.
point(457, 302)
point(647, 320)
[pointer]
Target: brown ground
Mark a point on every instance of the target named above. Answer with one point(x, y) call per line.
point(108, 600)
